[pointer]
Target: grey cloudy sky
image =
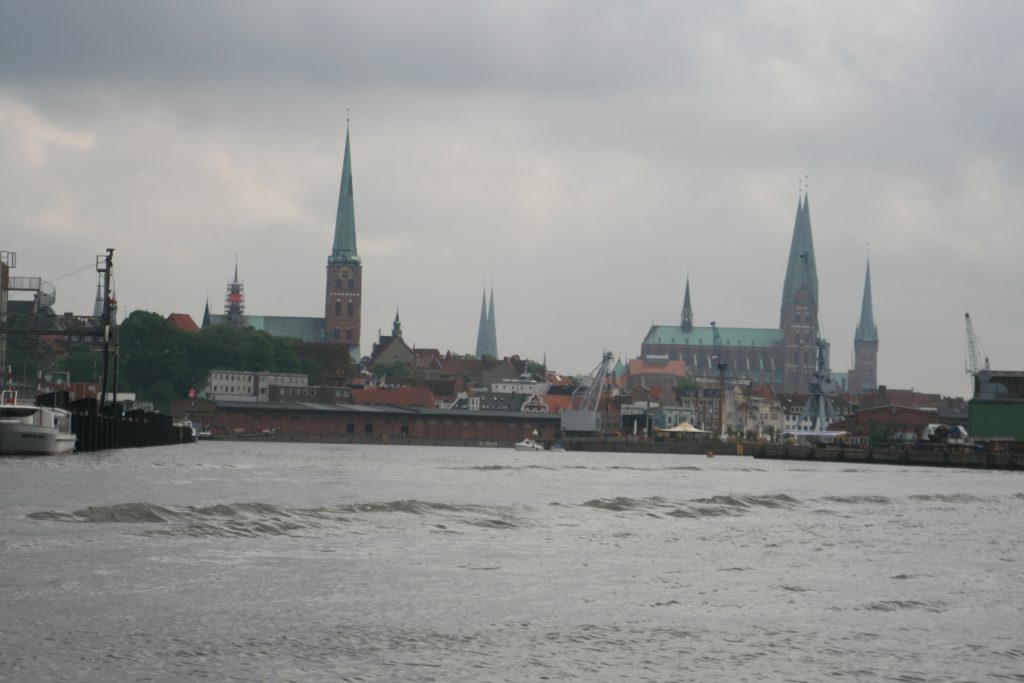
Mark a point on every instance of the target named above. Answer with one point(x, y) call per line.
point(587, 155)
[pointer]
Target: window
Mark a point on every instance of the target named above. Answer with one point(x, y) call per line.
point(368, 428)
point(351, 308)
point(348, 334)
point(337, 333)
point(350, 429)
point(337, 283)
point(337, 308)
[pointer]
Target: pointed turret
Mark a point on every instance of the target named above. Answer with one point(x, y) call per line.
point(687, 316)
point(798, 275)
point(344, 292)
point(492, 332)
point(798, 319)
point(396, 327)
point(481, 335)
point(206, 314)
point(234, 301)
point(344, 249)
point(863, 377)
point(866, 330)
point(97, 307)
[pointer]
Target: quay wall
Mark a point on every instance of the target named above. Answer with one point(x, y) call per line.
point(922, 455)
point(102, 429)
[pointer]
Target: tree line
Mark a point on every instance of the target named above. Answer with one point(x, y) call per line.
point(160, 363)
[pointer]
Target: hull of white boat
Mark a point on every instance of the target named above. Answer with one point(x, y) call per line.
point(22, 439)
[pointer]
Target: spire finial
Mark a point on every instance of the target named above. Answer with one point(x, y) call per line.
point(347, 118)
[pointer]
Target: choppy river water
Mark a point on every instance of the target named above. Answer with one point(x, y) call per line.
point(263, 561)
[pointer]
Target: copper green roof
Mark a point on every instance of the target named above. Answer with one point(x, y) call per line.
point(803, 243)
point(705, 336)
point(866, 330)
point(344, 250)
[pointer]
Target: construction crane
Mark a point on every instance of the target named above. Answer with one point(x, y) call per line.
point(584, 414)
point(722, 367)
point(975, 354)
point(975, 351)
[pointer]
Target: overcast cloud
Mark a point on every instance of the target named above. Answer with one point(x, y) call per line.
point(586, 155)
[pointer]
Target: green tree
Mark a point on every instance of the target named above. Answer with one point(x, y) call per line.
point(153, 359)
point(394, 370)
point(162, 363)
point(687, 383)
point(84, 365)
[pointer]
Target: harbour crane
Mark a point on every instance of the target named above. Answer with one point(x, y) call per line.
point(975, 351)
point(584, 414)
point(975, 354)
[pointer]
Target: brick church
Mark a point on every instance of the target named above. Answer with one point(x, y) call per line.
point(782, 357)
point(342, 320)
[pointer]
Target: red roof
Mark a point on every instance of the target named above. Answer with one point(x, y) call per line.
point(182, 322)
point(644, 366)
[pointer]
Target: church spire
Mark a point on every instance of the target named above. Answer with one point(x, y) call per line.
point(396, 327)
point(492, 332)
point(97, 307)
point(344, 249)
point(481, 335)
point(798, 275)
point(687, 317)
point(866, 330)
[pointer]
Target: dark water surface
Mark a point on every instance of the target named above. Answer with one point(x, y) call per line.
point(263, 561)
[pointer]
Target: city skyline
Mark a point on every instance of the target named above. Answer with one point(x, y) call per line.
point(588, 183)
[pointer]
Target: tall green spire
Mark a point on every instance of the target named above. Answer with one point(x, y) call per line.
point(866, 330)
point(344, 250)
point(803, 244)
point(686, 319)
point(492, 331)
point(482, 345)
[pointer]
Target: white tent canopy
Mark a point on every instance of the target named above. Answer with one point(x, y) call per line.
point(684, 428)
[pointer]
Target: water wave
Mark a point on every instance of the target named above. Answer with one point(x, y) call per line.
point(896, 605)
point(715, 506)
point(947, 497)
point(250, 519)
point(855, 500)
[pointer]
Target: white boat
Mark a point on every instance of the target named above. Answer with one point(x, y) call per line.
point(557, 448)
point(528, 445)
point(35, 430)
point(193, 432)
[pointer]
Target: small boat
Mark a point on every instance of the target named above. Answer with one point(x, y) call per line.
point(34, 430)
point(528, 445)
point(557, 448)
point(192, 431)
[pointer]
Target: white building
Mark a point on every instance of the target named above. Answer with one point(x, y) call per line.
point(526, 384)
point(238, 385)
